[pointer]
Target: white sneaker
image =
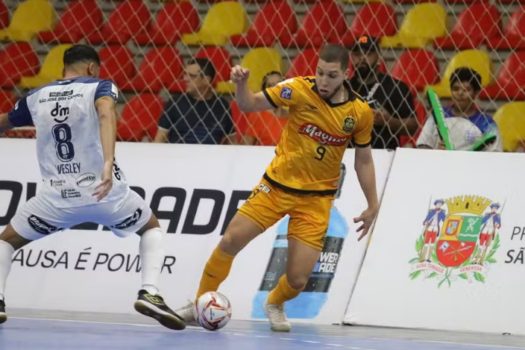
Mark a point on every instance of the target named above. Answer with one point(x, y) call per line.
point(277, 317)
point(187, 312)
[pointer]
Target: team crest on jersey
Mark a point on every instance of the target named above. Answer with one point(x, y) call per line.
point(349, 124)
point(286, 93)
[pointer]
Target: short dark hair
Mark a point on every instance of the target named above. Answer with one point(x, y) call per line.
point(466, 75)
point(81, 53)
point(267, 75)
point(205, 65)
point(332, 53)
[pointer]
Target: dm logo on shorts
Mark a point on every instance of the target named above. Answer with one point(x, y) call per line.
point(349, 124)
point(41, 226)
point(130, 221)
point(459, 239)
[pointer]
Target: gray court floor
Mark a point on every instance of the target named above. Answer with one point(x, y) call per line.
point(49, 330)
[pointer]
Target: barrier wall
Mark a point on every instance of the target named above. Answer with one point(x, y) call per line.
point(471, 277)
point(194, 190)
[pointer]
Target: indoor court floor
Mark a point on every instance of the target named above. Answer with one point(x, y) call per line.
point(46, 330)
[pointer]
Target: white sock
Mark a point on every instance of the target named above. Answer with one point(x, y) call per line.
point(152, 257)
point(6, 256)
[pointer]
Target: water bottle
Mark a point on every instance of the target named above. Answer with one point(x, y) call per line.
point(312, 299)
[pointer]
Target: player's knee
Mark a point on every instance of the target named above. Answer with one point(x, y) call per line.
point(297, 282)
point(13, 238)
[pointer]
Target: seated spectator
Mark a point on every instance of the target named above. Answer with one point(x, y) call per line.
point(466, 124)
point(199, 115)
point(262, 128)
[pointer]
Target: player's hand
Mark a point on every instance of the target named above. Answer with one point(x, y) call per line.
point(367, 217)
point(239, 74)
point(106, 183)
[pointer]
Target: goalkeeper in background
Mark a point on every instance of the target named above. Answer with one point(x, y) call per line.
point(465, 122)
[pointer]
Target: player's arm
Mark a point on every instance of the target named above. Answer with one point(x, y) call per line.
point(106, 97)
point(279, 96)
point(19, 116)
point(364, 168)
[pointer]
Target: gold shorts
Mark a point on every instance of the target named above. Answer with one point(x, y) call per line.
point(309, 214)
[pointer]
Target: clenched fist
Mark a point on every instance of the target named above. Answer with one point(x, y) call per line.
point(239, 74)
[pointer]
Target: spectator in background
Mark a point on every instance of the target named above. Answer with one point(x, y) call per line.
point(466, 124)
point(198, 116)
point(389, 98)
point(263, 128)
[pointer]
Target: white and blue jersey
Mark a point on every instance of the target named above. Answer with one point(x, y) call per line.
point(463, 132)
point(68, 139)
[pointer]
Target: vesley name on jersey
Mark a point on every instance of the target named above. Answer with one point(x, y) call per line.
point(322, 136)
point(73, 168)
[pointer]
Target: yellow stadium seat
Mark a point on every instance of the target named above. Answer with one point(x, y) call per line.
point(259, 61)
point(223, 20)
point(476, 59)
point(30, 17)
point(51, 69)
point(511, 123)
point(422, 24)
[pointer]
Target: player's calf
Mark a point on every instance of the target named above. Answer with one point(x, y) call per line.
point(154, 306)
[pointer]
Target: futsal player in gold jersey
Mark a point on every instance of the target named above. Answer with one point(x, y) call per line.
point(325, 115)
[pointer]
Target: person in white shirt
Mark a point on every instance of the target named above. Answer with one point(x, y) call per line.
point(75, 120)
point(466, 124)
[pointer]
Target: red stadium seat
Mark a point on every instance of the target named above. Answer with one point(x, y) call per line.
point(172, 21)
point(117, 64)
point(304, 64)
point(513, 35)
point(17, 60)
point(463, 2)
point(421, 115)
point(417, 68)
point(80, 19)
point(324, 22)
point(4, 16)
point(374, 19)
point(128, 19)
point(270, 24)
point(160, 68)
point(140, 117)
point(510, 83)
point(221, 60)
point(475, 25)
point(411, 2)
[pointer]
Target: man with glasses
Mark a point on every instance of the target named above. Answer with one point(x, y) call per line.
point(197, 116)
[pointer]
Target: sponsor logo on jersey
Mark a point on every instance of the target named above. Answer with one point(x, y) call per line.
point(322, 136)
point(286, 93)
point(130, 221)
point(349, 124)
point(41, 226)
point(70, 193)
point(73, 168)
point(86, 180)
point(61, 93)
point(57, 183)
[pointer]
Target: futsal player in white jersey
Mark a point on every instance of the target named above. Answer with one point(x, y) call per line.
point(75, 120)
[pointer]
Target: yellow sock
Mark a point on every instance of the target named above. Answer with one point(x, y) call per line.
point(283, 292)
point(216, 270)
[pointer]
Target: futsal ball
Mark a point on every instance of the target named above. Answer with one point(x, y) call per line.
point(214, 311)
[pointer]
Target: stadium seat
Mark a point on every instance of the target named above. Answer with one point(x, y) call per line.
point(417, 68)
point(303, 64)
point(374, 19)
point(511, 80)
point(168, 27)
point(324, 22)
point(51, 70)
point(411, 2)
point(511, 123)
point(260, 61)
point(117, 64)
point(222, 21)
point(80, 19)
point(421, 115)
point(128, 19)
point(421, 25)
point(140, 117)
point(362, 1)
point(269, 25)
point(476, 59)
point(463, 2)
point(513, 36)
point(4, 16)
point(475, 24)
point(30, 18)
point(17, 60)
point(222, 62)
point(161, 67)
point(7, 101)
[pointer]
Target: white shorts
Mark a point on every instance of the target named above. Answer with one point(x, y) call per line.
point(38, 218)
